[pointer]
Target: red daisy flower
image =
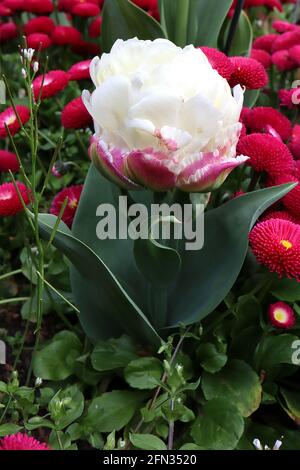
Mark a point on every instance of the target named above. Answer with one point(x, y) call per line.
point(263, 57)
point(21, 442)
point(283, 60)
point(265, 42)
point(80, 71)
point(266, 153)
point(65, 35)
point(10, 203)
point(8, 31)
point(86, 48)
point(95, 27)
point(9, 118)
point(248, 72)
point(283, 215)
point(14, 5)
point(294, 144)
point(5, 11)
point(8, 161)
point(257, 119)
point(41, 24)
point(281, 315)
point(288, 98)
point(272, 4)
point(85, 9)
point(38, 41)
point(286, 40)
point(283, 26)
point(75, 115)
point(72, 194)
point(276, 245)
point(52, 83)
point(292, 200)
point(38, 7)
point(294, 53)
point(146, 4)
point(219, 61)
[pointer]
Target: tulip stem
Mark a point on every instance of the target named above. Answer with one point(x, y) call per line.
point(233, 25)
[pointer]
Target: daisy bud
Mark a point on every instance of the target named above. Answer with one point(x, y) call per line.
point(35, 67)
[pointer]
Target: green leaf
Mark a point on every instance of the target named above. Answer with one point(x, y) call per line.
point(292, 400)
point(275, 350)
point(204, 279)
point(147, 442)
point(237, 383)
point(144, 373)
point(38, 422)
point(251, 97)
point(9, 428)
point(57, 360)
point(112, 411)
point(122, 19)
point(210, 358)
point(101, 280)
point(114, 353)
point(286, 289)
point(243, 38)
point(195, 22)
point(219, 427)
point(66, 406)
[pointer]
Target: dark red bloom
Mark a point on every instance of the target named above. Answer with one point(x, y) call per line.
point(40, 24)
point(276, 245)
point(289, 98)
point(72, 194)
point(8, 31)
point(65, 35)
point(14, 5)
point(283, 60)
point(95, 27)
point(146, 4)
point(294, 53)
point(80, 71)
point(85, 9)
point(266, 153)
point(283, 215)
point(281, 315)
point(52, 83)
point(21, 442)
point(286, 40)
point(5, 11)
point(294, 144)
point(263, 57)
point(283, 26)
point(248, 72)
point(38, 41)
point(292, 200)
point(86, 48)
point(265, 42)
point(75, 115)
point(9, 118)
point(37, 6)
point(10, 203)
point(8, 161)
point(258, 118)
point(219, 61)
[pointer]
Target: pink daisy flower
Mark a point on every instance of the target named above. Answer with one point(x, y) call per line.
point(10, 203)
point(52, 83)
point(21, 442)
point(72, 194)
point(281, 315)
point(8, 118)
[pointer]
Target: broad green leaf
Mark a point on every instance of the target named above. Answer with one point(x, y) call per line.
point(143, 373)
point(114, 353)
point(219, 427)
point(276, 350)
point(195, 22)
point(207, 275)
point(38, 422)
point(242, 41)
point(237, 383)
point(9, 428)
point(292, 400)
point(286, 289)
point(112, 411)
point(147, 442)
point(211, 359)
point(56, 361)
point(121, 19)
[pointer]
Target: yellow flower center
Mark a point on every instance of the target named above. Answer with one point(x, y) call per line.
point(10, 120)
point(287, 244)
point(73, 204)
point(280, 315)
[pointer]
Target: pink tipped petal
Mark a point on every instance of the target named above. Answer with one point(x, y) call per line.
point(110, 163)
point(208, 173)
point(149, 168)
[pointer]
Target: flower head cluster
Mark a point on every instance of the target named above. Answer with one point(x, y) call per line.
point(21, 441)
